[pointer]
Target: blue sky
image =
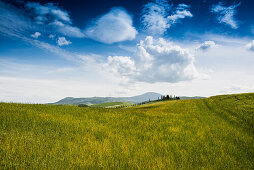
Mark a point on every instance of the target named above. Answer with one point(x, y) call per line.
point(53, 49)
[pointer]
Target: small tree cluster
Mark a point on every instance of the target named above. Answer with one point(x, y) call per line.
point(83, 105)
point(169, 97)
point(162, 98)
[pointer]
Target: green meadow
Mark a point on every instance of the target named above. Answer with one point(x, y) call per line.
point(210, 133)
point(111, 104)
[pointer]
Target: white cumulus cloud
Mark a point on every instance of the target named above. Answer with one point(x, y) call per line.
point(62, 41)
point(155, 61)
point(36, 35)
point(115, 26)
point(206, 45)
point(226, 14)
point(250, 46)
point(159, 15)
point(123, 65)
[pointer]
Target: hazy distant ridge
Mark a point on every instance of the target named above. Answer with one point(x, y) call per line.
point(97, 100)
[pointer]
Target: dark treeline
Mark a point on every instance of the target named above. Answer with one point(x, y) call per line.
point(169, 97)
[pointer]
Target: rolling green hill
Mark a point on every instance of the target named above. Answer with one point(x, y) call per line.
point(211, 133)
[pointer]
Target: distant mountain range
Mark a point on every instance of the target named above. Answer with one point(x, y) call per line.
point(98, 100)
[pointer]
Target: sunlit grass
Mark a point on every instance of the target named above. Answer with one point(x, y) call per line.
point(212, 133)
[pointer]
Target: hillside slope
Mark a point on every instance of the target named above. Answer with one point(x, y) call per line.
point(211, 133)
point(98, 100)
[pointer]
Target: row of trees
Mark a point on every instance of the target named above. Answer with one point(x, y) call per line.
point(169, 97)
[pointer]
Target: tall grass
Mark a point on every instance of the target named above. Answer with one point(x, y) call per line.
point(212, 133)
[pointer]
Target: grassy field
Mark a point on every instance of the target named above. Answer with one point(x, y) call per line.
point(111, 104)
point(211, 133)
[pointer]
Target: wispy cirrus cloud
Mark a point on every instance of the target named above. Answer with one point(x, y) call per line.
point(14, 24)
point(181, 12)
point(55, 18)
point(226, 14)
point(44, 19)
point(115, 26)
point(159, 15)
point(47, 12)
